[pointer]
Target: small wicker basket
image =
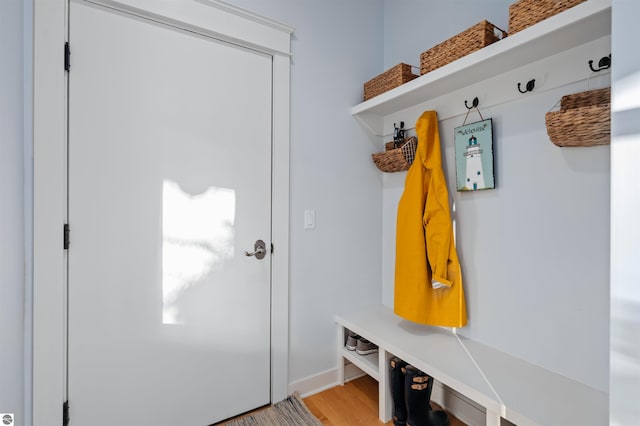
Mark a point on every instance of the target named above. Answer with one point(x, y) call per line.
point(524, 13)
point(396, 159)
point(391, 78)
point(475, 38)
point(584, 119)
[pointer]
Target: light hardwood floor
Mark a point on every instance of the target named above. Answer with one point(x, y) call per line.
point(354, 404)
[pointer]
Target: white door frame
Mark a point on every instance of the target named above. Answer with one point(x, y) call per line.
point(208, 17)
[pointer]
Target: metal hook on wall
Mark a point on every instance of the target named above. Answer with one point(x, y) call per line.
point(604, 63)
point(474, 104)
point(531, 84)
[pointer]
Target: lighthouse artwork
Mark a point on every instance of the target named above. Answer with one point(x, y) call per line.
point(474, 156)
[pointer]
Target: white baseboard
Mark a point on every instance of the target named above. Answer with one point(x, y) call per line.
point(351, 372)
point(315, 384)
point(458, 405)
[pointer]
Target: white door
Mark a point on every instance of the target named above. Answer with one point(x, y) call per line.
point(169, 184)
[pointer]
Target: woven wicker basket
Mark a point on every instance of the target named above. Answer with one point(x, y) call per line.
point(475, 38)
point(396, 159)
point(588, 98)
point(584, 119)
point(391, 78)
point(524, 13)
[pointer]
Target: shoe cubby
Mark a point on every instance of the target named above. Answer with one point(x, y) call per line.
point(503, 387)
point(369, 363)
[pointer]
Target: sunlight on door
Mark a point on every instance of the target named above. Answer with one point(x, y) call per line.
point(197, 237)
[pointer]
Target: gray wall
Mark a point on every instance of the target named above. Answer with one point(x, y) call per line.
point(336, 267)
point(625, 211)
point(12, 232)
point(535, 250)
point(413, 26)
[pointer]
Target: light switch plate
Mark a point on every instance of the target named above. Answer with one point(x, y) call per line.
point(309, 219)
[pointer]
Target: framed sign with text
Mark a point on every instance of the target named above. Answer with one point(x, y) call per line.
point(474, 156)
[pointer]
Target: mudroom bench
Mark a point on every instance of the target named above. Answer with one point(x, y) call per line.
point(507, 387)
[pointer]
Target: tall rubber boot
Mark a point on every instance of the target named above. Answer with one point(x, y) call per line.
point(397, 379)
point(418, 386)
point(438, 418)
point(417, 393)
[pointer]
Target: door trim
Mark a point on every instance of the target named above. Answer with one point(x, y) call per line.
point(49, 180)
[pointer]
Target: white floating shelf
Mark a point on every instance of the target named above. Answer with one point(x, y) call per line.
point(581, 24)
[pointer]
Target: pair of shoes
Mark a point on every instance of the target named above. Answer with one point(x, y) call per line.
point(352, 340)
point(359, 344)
point(365, 347)
point(411, 395)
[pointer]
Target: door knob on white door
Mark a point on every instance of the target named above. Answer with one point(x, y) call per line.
point(259, 250)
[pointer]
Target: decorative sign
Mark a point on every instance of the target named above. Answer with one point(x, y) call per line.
point(474, 156)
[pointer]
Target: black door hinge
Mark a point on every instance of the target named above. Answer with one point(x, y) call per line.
point(272, 248)
point(65, 413)
point(67, 56)
point(66, 236)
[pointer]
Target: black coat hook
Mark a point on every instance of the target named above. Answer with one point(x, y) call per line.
point(529, 87)
point(604, 63)
point(474, 104)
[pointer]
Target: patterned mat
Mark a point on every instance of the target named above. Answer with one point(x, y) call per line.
point(290, 412)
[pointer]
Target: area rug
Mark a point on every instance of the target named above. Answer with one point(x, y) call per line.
point(290, 412)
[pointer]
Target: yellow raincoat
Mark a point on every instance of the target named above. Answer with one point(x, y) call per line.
point(428, 281)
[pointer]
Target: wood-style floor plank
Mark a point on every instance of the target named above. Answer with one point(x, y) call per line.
point(354, 404)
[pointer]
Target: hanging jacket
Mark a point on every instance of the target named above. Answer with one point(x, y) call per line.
point(428, 280)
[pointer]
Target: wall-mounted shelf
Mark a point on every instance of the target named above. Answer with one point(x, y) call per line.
point(581, 24)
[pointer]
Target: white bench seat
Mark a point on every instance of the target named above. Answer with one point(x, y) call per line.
point(505, 386)
point(533, 395)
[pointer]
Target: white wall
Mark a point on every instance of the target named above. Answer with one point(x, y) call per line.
point(11, 210)
point(28, 207)
point(413, 26)
point(547, 301)
point(625, 211)
point(534, 251)
point(336, 48)
point(336, 267)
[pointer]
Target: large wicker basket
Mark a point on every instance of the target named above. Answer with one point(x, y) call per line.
point(584, 119)
point(524, 13)
point(396, 159)
point(588, 98)
point(391, 78)
point(475, 38)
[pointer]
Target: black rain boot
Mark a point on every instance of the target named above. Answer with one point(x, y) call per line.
point(438, 418)
point(418, 386)
point(397, 372)
point(417, 392)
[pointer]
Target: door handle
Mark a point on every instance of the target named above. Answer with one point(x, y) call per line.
point(259, 250)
